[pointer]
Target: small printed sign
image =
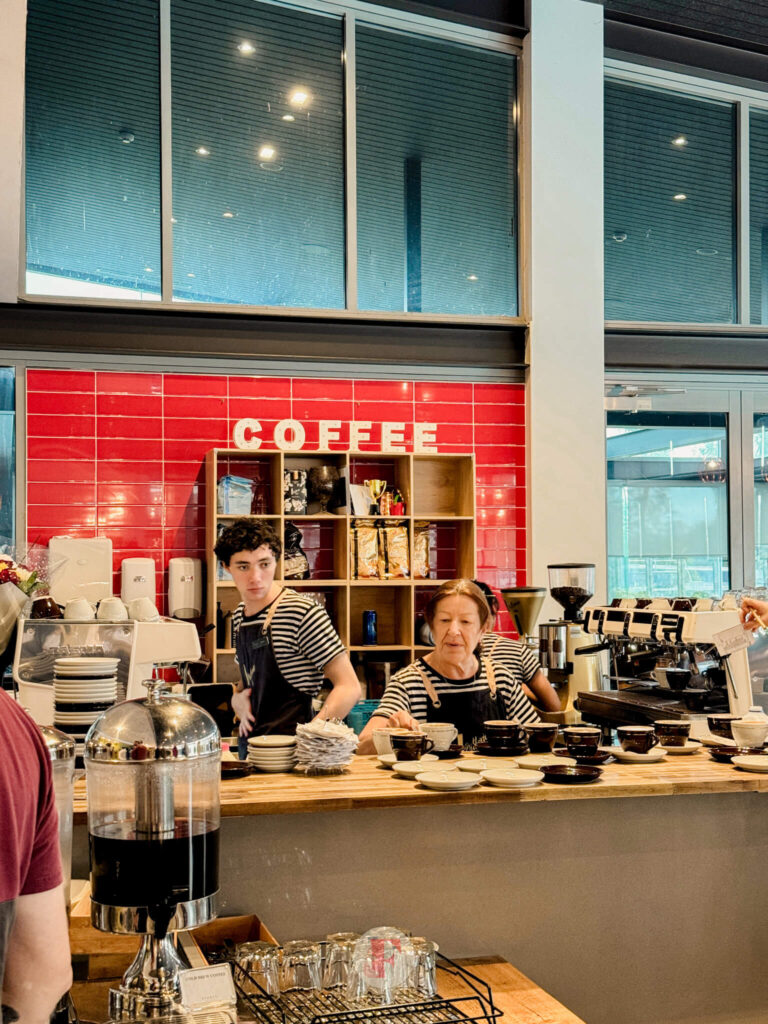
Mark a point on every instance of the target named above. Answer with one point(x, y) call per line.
point(201, 986)
point(730, 640)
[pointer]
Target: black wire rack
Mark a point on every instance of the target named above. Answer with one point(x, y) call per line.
point(329, 1006)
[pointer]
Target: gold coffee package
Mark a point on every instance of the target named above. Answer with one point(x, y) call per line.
point(421, 550)
point(364, 543)
point(393, 553)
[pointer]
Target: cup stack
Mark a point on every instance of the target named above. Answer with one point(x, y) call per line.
point(82, 689)
point(272, 753)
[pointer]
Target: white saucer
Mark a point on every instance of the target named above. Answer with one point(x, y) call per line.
point(272, 741)
point(410, 769)
point(691, 747)
point(389, 759)
point(512, 778)
point(751, 762)
point(481, 764)
point(447, 781)
point(630, 757)
point(537, 760)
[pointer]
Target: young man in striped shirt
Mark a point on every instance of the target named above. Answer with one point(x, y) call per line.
point(285, 643)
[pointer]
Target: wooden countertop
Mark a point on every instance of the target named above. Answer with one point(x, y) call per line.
point(367, 785)
point(520, 999)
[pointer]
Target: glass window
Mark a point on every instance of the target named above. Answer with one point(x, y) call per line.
point(435, 176)
point(93, 149)
point(669, 207)
point(7, 455)
point(667, 504)
point(258, 155)
point(758, 216)
point(760, 460)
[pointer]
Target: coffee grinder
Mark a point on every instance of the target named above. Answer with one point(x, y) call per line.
point(524, 605)
point(570, 669)
point(152, 773)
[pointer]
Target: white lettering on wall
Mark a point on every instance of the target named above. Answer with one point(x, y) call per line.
point(393, 437)
point(298, 436)
point(359, 430)
point(424, 437)
point(243, 427)
point(290, 436)
point(328, 431)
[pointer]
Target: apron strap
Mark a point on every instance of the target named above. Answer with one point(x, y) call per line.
point(496, 643)
point(490, 673)
point(273, 609)
point(431, 691)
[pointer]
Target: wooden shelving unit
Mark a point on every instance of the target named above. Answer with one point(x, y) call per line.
point(438, 489)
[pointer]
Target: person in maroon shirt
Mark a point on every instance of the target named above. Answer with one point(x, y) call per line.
point(35, 966)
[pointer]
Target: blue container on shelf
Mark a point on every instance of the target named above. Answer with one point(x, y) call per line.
point(360, 713)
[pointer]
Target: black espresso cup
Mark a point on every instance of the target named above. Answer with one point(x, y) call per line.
point(410, 746)
point(672, 732)
point(589, 735)
point(504, 734)
point(541, 736)
point(720, 725)
point(637, 739)
point(581, 750)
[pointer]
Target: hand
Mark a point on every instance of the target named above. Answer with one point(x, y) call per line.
point(241, 705)
point(750, 613)
point(403, 720)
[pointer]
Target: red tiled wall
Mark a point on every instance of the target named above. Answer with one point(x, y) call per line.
point(121, 455)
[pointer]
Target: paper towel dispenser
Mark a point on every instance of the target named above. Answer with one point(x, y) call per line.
point(185, 588)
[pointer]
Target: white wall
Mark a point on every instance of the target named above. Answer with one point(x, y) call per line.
point(13, 14)
point(563, 193)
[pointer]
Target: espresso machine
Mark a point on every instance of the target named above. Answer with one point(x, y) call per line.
point(524, 605)
point(666, 663)
point(152, 774)
point(573, 660)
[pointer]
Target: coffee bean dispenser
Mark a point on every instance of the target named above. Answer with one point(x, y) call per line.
point(152, 773)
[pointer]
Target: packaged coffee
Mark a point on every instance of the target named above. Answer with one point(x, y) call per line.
point(393, 553)
point(364, 544)
point(295, 562)
point(421, 550)
point(295, 492)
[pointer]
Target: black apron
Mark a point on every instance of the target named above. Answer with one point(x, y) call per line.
point(468, 711)
point(277, 706)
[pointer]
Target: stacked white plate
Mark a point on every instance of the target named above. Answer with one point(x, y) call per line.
point(83, 688)
point(272, 753)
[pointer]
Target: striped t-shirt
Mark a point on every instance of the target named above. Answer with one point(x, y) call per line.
point(516, 656)
point(406, 692)
point(303, 639)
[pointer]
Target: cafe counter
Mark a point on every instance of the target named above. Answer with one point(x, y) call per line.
point(625, 909)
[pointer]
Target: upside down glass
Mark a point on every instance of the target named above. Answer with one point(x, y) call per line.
point(261, 961)
point(301, 966)
point(379, 972)
point(341, 947)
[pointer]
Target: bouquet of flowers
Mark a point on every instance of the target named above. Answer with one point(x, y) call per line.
point(20, 578)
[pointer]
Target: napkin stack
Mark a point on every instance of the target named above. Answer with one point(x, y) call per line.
point(324, 748)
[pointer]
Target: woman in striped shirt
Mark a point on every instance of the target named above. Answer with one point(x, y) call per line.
point(454, 682)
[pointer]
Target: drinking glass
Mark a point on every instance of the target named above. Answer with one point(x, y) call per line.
point(301, 966)
point(341, 946)
point(379, 970)
point(424, 967)
point(261, 962)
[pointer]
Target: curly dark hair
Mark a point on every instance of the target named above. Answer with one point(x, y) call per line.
point(246, 535)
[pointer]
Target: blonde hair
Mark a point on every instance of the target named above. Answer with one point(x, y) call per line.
point(458, 588)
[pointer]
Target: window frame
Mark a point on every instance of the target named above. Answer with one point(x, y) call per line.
point(350, 12)
point(743, 98)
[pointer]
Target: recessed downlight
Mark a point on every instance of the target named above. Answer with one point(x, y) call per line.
point(267, 152)
point(203, 151)
point(228, 214)
point(299, 96)
point(679, 197)
point(246, 48)
point(680, 141)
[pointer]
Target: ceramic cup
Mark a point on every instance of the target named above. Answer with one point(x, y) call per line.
point(79, 609)
point(638, 739)
point(382, 738)
point(112, 609)
point(504, 734)
point(541, 736)
point(411, 746)
point(720, 725)
point(143, 609)
point(749, 734)
point(589, 735)
point(442, 734)
point(672, 732)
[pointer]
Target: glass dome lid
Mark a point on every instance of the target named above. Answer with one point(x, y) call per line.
point(61, 747)
point(158, 727)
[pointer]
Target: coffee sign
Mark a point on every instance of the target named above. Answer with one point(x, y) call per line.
point(290, 436)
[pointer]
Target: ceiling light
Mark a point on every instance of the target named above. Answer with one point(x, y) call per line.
point(705, 251)
point(126, 136)
point(298, 97)
point(202, 151)
point(472, 277)
point(288, 117)
point(679, 197)
point(147, 270)
point(246, 48)
point(680, 140)
point(228, 214)
point(267, 152)
point(190, 275)
point(619, 236)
